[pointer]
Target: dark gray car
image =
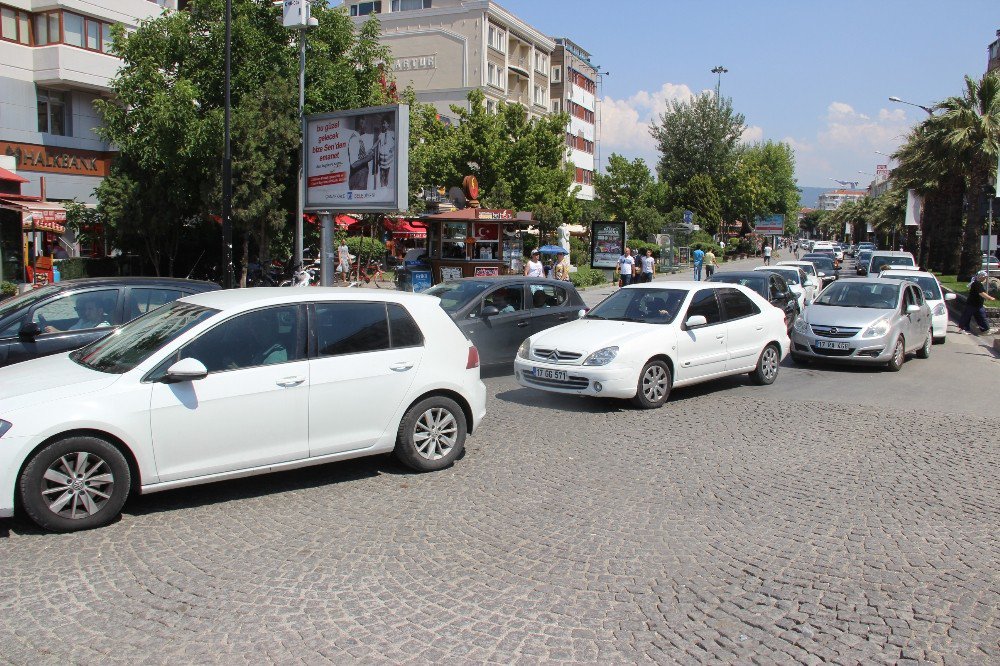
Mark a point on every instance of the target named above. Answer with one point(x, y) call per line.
point(497, 314)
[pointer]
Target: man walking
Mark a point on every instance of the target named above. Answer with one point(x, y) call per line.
point(975, 306)
point(698, 256)
point(648, 267)
point(626, 267)
point(767, 254)
point(710, 264)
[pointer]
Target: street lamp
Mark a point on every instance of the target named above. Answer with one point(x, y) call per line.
point(597, 108)
point(929, 110)
point(720, 70)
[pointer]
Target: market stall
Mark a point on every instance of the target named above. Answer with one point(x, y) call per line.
point(475, 242)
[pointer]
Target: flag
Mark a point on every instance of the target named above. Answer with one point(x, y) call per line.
point(914, 202)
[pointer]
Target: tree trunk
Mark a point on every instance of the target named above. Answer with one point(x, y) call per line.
point(245, 259)
point(951, 234)
point(972, 255)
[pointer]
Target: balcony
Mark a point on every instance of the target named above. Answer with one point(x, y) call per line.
point(62, 65)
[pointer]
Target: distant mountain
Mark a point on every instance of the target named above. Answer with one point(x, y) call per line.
point(809, 196)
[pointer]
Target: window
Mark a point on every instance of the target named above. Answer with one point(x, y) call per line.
point(366, 8)
point(262, 337)
point(72, 29)
point(52, 112)
point(541, 62)
point(77, 312)
point(505, 299)
point(403, 331)
point(409, 5)
point(584, 176)
point(15, 25)
point(491, 106)
point(540, 96)
point(547, 296)
point(47, 28)
point(556, 74)
point(705, 304)
point(495, 75)
point(737, 305)
point(350, 328)
point(557, 106)
point(140, 301)
point(498, 39)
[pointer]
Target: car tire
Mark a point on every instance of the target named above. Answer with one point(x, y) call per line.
point(767, 366)
point(940, 341)
point(653, 387)
point(925, 351)
point(800, 360)
point(77, 483)
point(898, 356)
point(431, 434)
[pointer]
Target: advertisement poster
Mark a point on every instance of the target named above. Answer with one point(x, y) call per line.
point(421, 280)
point(451, 273)
point(772, 225)
point(607, 243)
point(358, 160)
point(487, 271)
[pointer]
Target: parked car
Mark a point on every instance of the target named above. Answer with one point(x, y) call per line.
point(990, 263)
point(643, 340)
point(868, 321)
point(67, 315)
point(821, 245)
point(234, 383)
point(814, 279)
point(797, 281)
point(933, 294)
point(864, 256)
point(497, 314)
point(770, 286)
point(889, 258)
point(827, 268)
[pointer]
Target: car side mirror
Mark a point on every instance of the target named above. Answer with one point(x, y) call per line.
point(950, 296)
point(912, 309)
point(29, 331)
point(583, 312)
point(490, 310)
point(696, 321)
point(185, 370)
point(821, 274)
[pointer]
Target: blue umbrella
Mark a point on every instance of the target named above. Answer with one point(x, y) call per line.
point(552, 249)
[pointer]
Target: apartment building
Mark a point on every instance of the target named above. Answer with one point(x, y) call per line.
point(55, 61)
point(574, 91)
point(993, 55)
point(834, 199)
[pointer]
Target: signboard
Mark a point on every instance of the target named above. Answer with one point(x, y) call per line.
point(421, 280)
point(607, 243)
point(358, 160)
point(881, 172)
point(688, 217)
point(988, 243)
point(295, 13)
point(451, 273)
point(490, 214)
point(914, 202)
point(50, 159)
point(772, 225)
point(487, 271)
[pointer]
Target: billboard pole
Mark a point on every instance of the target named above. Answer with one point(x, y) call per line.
point(326, 249)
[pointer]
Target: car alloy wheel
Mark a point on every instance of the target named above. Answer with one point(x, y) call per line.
point(925, 351)
point(767, 366)
point(654, 385)
point(898, 356)
point(435, 433)
point(77, 485)
point(431, 434)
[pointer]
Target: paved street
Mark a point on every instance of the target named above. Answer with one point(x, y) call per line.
point(844, 515)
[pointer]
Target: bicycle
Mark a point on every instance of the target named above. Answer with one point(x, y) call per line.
point(371, 273)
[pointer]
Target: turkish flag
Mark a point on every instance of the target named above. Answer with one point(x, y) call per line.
point(486, 232)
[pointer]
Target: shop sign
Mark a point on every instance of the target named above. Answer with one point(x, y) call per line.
point(421, 280)
point(414, 62)
point(487, 271)
point(607, 243)
point(44, 220)
point(772, 225)
point(451, 273)
point(498, 215)
point(49, 159)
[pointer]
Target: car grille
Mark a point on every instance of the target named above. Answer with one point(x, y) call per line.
point(571, 383)
point(832, 352)
point(835, 331)
point(555, 355)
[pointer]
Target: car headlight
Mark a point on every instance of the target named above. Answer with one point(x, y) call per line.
point(801, 326)
point(602, 356)
point(4, 427)
point(939, 310)
point(524, 349)
point(878, 329)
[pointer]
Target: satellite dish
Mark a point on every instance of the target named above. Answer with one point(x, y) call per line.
point(457, 197)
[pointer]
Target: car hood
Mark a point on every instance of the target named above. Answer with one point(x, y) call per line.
point(47, 379)
point(828, 315)
point(588, 335)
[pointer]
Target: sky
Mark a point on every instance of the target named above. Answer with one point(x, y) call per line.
point(815, 75)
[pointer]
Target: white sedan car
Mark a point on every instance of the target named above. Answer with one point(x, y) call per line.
point(797, 281)
point(234, 383)
point(933, 294)
point(645, 339)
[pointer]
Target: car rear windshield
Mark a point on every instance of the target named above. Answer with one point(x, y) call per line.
point(822, 263)
point(855, 294)
point(926, 283)
point(27, 299)
point(456, 293)
point(650, 306)
point(757, 283)
point(133, 343)
point(881, 260)
point(791, 276)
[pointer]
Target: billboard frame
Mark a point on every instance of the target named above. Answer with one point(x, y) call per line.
point(620, 232)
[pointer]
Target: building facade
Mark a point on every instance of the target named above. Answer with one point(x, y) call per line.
point(834, 199)
point(574, 91)
point(55, 61)
point(993, 57)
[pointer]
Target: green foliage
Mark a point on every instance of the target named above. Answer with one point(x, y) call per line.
point(585, 276)
point(365, 248)
point(7, 289)
point(702, 240)
point(82, 267)
point(639, 248)
point(627, 191)
point(579, 251)
point(700, 197)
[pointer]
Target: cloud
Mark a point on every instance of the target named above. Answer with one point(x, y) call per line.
point(625, 122)
point(752, 134)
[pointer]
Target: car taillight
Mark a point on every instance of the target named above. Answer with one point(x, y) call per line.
point(473, 361)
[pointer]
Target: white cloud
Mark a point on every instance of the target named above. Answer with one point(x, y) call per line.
point(752, 134)
point(625, 122)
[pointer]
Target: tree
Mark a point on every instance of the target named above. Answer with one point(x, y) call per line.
point(701, 198)
point(628, 192)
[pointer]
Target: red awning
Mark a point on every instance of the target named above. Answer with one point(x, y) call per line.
point(405, 228)
point(11, 176)
point(37, 215)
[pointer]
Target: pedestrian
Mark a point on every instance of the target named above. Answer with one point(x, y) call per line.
point(343, 260)
point(767, 254)
point(534, 268)
point(711, 263)
point(560, 270)
point(975, 306)
point(626, 268)
point(648, 267)
point(698, 256)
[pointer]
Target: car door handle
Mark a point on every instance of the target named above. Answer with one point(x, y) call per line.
point(522, 323)
point(562, 317)
point(403, 366)
point(290, 381)
point(720, 337)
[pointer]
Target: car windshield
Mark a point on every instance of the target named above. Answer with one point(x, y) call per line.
point(853, 294)
point(926, 283)
point(132, 344)
point(880, 260)
point(457, 293)
point(27, 299)
point(822, 263)
point(650, 306)
point(757, 283)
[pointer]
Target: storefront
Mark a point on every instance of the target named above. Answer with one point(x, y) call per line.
point(475, 242)
point(30, 232)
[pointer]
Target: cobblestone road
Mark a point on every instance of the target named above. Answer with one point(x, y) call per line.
point(733, 525)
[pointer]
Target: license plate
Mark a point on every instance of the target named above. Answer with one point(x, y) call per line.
point(545, 373)
point(823, 344)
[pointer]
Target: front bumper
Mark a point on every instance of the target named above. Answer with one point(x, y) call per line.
point(12, 453)
point(614, 380)
point(859, 350)
point(939, 324)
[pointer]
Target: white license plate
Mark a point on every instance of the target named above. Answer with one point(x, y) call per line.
point(545, 373)
point(823, 344)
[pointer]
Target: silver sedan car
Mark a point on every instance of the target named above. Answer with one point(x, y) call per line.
point(864, 321)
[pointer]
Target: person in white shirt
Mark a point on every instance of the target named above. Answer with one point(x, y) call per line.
point(534, 267)
point(648, 266)
point(626, 266)
point(767, 254)
point(343, 261)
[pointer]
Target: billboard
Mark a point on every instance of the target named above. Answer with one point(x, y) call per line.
point(607, 243)
point(358, 160)
point(772, 225)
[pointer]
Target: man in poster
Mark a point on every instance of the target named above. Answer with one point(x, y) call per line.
point(361, 153)
point(386, 147)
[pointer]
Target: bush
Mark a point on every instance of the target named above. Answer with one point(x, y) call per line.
point(579, 251)
point(7, 289)
point(365, 248)
point(82, 267)
point(639, 248)
point(585, 276)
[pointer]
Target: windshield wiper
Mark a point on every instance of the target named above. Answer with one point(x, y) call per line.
point(635, 319)
point(592, 316)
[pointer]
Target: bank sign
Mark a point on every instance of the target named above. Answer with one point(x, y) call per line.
point(358, 160)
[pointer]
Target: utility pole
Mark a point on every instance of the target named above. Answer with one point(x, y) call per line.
point(296, 15)
point(227, 167)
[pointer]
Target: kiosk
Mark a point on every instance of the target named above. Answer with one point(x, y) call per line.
point(475, 242)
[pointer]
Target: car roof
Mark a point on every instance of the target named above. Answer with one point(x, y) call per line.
point(776, 268)
point(244, 299)
point(907, 272)
point(195, 285)
point(892, 253)
point(741, 274)
point(519, 279)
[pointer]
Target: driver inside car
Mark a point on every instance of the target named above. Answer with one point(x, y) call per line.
point(90, 313)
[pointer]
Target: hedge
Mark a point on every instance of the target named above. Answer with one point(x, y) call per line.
point(585, 276)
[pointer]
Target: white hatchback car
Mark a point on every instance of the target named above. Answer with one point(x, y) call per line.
point(797, 281)
point(645, 339)
point(234, 383)
point(933, 294)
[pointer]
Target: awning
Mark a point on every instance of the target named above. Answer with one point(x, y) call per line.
point(11, 176)
point(404, 228)
point(37, 215)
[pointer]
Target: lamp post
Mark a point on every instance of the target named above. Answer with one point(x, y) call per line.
point(720, 70)
point(597, 107)
point(227, 166)
point(930, 111)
